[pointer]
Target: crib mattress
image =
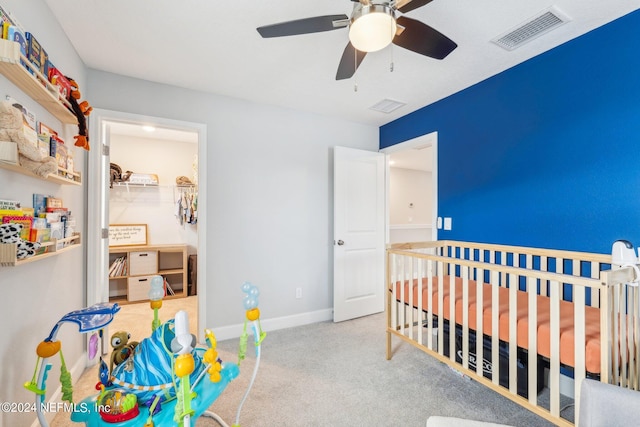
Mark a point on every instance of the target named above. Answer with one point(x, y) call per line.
point(567, 336)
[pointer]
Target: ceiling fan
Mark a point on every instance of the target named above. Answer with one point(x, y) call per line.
point(373, 25)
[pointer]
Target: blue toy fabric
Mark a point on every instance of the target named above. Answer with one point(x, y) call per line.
point(149, 371)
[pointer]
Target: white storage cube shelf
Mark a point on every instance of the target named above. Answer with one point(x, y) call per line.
point(143, 263)
point(132, 284)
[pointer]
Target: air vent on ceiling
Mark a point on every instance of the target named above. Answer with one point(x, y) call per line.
point(387, 106)
point(542, 23)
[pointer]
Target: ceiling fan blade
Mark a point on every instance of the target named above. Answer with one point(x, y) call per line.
point(304, 26)
point(421, 38)
point(405, 6)
point(349, 63)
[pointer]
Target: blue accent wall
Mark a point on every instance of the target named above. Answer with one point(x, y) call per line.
point(547, 153)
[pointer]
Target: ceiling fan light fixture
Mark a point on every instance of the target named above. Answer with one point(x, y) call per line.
point(372, 28)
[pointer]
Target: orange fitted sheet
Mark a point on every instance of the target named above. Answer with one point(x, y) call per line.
point(567, 353)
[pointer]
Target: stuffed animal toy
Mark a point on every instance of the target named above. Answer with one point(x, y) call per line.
point(81, 110)
point(122, 348)
point(115, 174)
point(12, 128)
point(10, 233)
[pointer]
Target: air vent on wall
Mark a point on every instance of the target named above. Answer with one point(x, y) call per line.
point(387, 106)
point(542, 23)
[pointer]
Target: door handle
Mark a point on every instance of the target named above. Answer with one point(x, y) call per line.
point(340, 242)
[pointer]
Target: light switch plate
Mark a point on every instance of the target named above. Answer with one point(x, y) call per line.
point(439, 223)
point(447, 223)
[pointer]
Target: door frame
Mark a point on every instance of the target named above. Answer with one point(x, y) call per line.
point(431, 140)
point(96, 195)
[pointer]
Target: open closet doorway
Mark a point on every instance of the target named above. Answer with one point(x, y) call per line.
point(157, 169)
point(412, 190)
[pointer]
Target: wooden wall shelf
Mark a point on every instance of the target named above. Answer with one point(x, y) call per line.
point(51, 178)
point(34, 85)
point(56, 247)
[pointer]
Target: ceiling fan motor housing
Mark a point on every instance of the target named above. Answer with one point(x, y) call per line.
point(372, 27)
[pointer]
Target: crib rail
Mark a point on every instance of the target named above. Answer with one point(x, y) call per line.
point(454, 268)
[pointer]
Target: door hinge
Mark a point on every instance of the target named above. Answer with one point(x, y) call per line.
point(105, 233)
point(105, 150)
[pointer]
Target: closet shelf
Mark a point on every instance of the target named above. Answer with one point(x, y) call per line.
point(56, 247)
point(51, 177)
point(127, 185)
point(34, 85)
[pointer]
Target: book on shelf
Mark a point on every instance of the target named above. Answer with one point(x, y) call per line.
point(26, 222)
point(9, 204)
point(168, 289)
point(39, 204)
point(118, 267)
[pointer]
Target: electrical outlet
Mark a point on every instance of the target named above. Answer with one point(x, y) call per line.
point(298, 293)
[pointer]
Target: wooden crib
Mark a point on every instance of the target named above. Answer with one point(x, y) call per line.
point(580, 317)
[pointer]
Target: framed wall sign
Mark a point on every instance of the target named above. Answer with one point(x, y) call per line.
point(127, 234)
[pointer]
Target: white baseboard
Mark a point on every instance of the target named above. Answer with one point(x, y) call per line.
point(56, 397)
point(234, 331)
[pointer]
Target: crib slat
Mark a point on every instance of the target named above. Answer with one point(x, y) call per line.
point(441, 308)
point(579, 338)
point(479, 321)
point(452, 314)
point(554, 360)
point(605, 334)
point(595, 293)
point(391, 301)
point(513, 333)
point(614, 335)
point(544, 267)
point(630, 335)
point(412, 303)
point(403, 310)
point(419, 311)
point(533, 340)
point(495, 325)
point(430, 305)
point(636, 340)
point(465, 317)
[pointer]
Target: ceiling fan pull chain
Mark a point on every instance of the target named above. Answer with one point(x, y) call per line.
point(355, 67)
point(391, 59)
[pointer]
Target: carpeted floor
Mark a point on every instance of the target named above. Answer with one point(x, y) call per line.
point(336, 374)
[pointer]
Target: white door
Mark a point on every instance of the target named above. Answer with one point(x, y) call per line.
point(359, 233)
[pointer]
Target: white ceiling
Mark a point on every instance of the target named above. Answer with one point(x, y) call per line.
point(415, 159)
point(213, 46)
point(153, 133)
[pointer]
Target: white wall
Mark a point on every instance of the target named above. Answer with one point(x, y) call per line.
point(270, 193)
point(410, 205)
point(36, 295)
point(154, 206)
